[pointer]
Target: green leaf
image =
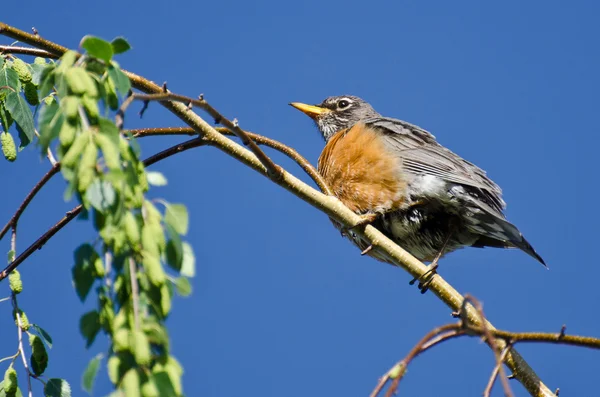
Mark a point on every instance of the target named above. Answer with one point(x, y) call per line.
point(89, 326)
point(101, 195)
point(50, 121)
point(188, 267)
point(18, 393)
point(46, 338)
point(120, 80)
point(183, 286)
point(56, 387)
point(163, 384)
point(83, 270)
point(89, 375)
point(120, 45)
point(97, 47)
point(156, 178)
point(131, 383)
point(174, 250)
point(5, 118)
point(37, 72)
point(176, 215)
point(46, 81)
point(81, 82)
point(20, 111)
point(23, 138)
point(10, 78)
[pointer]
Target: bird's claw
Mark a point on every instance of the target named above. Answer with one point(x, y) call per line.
point(426, 278)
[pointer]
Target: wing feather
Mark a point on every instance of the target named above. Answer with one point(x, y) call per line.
point(422, 154)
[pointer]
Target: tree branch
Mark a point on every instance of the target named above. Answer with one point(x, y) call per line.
point(15, 218)
point(259, 139)
point(274, 171)
point(466, 328)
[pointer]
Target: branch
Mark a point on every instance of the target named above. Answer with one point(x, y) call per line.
point(259, 139)
point(70, 215)
point(9, 49)
point(274, 171)
point(326, 204)
point(15, 218)
point(465, 328)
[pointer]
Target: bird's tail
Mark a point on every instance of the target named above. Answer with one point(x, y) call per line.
point(498, 232)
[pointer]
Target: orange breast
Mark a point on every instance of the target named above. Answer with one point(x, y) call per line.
point(361, 172)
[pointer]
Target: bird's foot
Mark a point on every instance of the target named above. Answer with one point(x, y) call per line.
point(364, 220)
point(426, 278)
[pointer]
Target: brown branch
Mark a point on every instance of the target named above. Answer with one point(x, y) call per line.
point(259, 139)
point(491, 341)
point(70, 215)
point(39, 243)
point(465, 328)
point(15, 218)
point(497, 369)
point(9, 49)
point(273, 170)
point(397, 371)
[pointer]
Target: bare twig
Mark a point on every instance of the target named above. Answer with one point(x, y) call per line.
point(463, 328)
point(259, 139)
point(8, 49)
point(39, 243)
point(497, 369)
point(397, 371)
point(15, 218)
point(491, 341)
point(273, 170)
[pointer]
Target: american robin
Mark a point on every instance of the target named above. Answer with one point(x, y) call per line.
point(419, 193)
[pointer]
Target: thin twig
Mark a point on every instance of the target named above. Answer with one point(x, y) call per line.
point(273, 170)
point(8, 49)
point(397, 371)
point(39, 243)
point(497, 369)
point(15, 218)
point(70, 215)
point(21, 348)
point(259, 139)
point(492, 343)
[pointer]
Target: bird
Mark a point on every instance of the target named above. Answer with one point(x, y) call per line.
point(420, 194)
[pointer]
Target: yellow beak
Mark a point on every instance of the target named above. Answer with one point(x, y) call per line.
point(311, 111)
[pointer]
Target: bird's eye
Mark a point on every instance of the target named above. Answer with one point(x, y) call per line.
point(343, 104)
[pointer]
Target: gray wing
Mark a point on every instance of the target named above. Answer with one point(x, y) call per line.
point(422, 154)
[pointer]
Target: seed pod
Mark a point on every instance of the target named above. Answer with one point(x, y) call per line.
point(24, 320)
point(114, 362)
point(15, 282)
point(22, 70)
point(80, 82)
point(141, 348)
point(39, 61)
point(9, 149)
point(31, 94)
point(10, 381)
point(72, 155)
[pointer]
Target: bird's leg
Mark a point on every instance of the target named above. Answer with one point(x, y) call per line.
point(426, 278)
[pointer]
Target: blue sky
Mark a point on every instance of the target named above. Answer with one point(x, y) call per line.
point(282, 305)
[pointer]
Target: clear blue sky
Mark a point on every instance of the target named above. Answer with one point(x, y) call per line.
point(282, 305)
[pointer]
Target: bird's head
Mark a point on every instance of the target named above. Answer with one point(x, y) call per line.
point(337, 113)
